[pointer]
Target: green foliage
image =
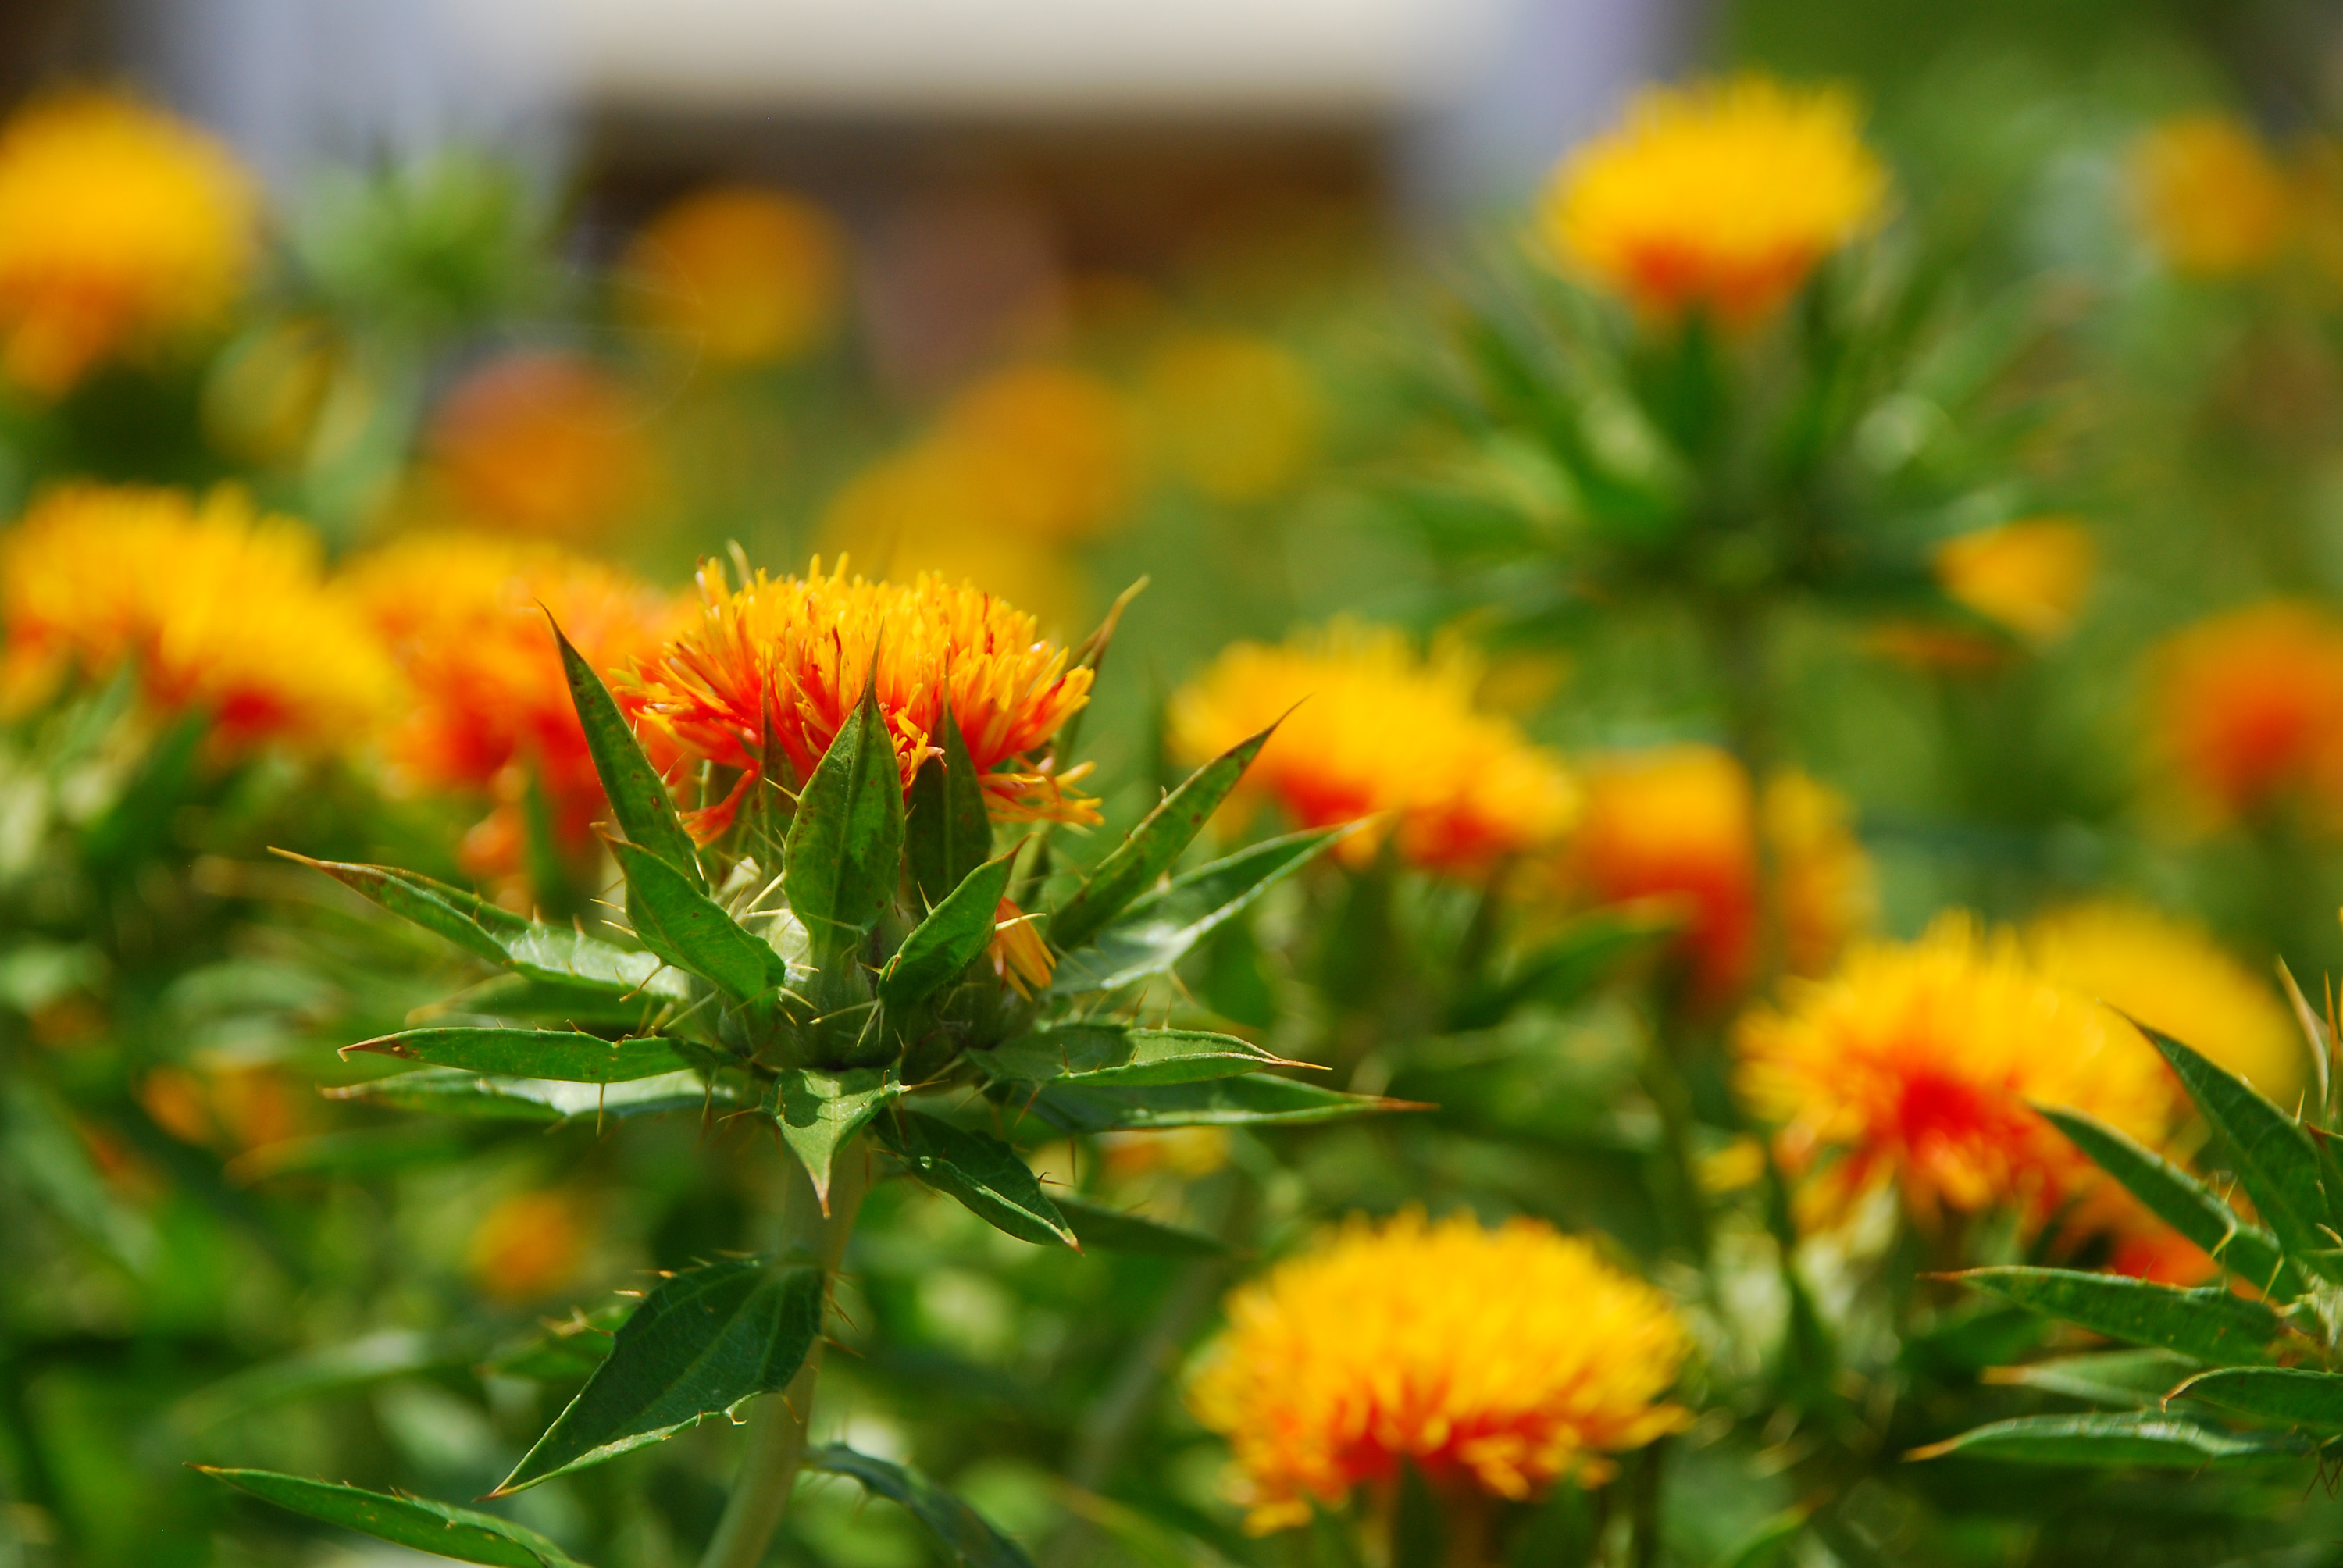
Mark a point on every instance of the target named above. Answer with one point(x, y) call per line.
point(417, 1523)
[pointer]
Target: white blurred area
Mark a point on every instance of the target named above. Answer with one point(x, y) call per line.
point(1472, 96)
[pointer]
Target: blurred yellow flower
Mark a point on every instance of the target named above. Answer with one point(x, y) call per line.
point(1187, 1153)
point(2244, 706)
point(772, 669)
point(1371, 730)
point(234, 1109)
point(528, 1247)
point(1676, 823)
point(2210, 197)
point(2172, 976)
point(1919, 1063)
point(748, 276)
point(118, 226)
point(938, 508)
point(1721, 196)
point(216, 607)
point(1059, 445)
point(540, 444)
point(1237, 417)
point(2030, 576)
point(1499, 1360)
point(487, 706)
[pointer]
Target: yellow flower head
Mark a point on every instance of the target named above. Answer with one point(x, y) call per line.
point(1371, 730)
point(215, 607)
point(2244, 706)
point(488, 709)
point(1056, 444)
point(1235, 415)
point(526, 1247)
point(1920, 1062)
point(1675, 822)
point(540, 444)
point(2030, 576)
point(2209, 197)
point(2172, 976)
point(1503, 1359)
point(1721, 196)
point(748, 275)
point(118, 224)
point(769, 671)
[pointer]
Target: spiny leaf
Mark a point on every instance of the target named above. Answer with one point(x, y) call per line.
point(958, 1530)
point(818, 1112)
point(1255, 1101)
point(1161, 927)
point(563, 1054)
point(2273, 1157)
point(691, 931)
point(445, 912)
point(1114, 1231)
point(844, 852)
point(639, 798)
point(703, 1341)
point(2179, 1200)
point(451, 1091)
point(2106, 1377)
point(2211, 1324)
point(416, 1522)
point(984, 1173)
point(2126, 1440)
point(1096, 1053)
point(947, 829)
point(561, 1352)
point(2296, 1396)
point(955, 932)
point(1153, 845)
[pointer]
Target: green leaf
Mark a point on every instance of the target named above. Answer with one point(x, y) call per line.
point(2211, 1324)
point(2128, 1439)
point(1255, 1101)
point(417, 1523)
point(2179, 1200)
point(1160, 927)
point(1113, 1231)
point(561, 1352)
point(314, 1374)
point(819, 1112)
point(2104, 1377)
point(843, 857)
point(2295, 1396)
point(1588, 951)
point(984, 1173)
point(958, 1530)
point(1152, 845)
point(565, 1054)
point(452, 1092)
point(1120, 1053)
point(522, 996)
point(706, 1340)
point(2272, 1155)
point(638, 798)
point(691, 931)
point(445, 912)
point(947, 829)
point(954, 934)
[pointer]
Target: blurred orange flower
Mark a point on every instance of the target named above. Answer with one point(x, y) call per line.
point(1371, 730)
point(217, 608)
point(940, 508)
point(2244, 706)
point(748, 276)
point(1721, 196)
point(528, 1247)
point(1499, 1360)
point(119, 224)
point(2210, 196)
point(1059, 443)
point(540, 444)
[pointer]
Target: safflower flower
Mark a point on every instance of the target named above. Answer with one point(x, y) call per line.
point(540, 444)
point(2243, 707)
point(2209, 197)
point(747, 275)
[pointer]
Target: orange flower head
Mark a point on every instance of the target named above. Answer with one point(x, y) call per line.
point(747, 275)
point(488, 707)
point(1371, 730)
point(118, 226)
point(2172, 976)
point(1057, 445)
point(526, 1247)
point(1675, 823)
point(1501, 1360)
point(2030, 576)
point(1722, 196)
point(2210, 197)
point(2245, 707)
point(764, 676)
point(1920, 1063)
point(1235, 415)
point(215, 607)
point(540, 444)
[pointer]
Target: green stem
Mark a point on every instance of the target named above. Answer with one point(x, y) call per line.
point(776, 1426)
point(1739, 633)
